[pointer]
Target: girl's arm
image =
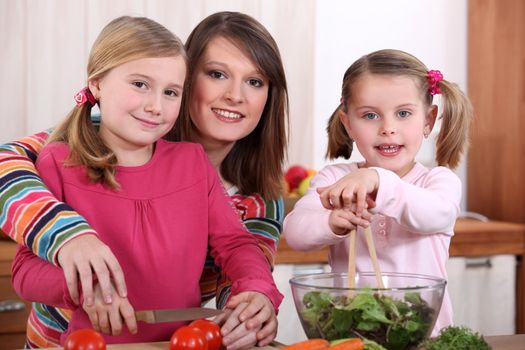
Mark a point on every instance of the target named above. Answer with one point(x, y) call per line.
point(429, 207)
point(236, 251)
point(37, 280)
point(262, 218)
point(306, 227)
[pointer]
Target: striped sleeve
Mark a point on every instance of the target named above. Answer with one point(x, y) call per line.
point(264, 219)
point(30, 214)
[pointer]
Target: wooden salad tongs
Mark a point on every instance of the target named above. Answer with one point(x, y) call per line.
point(373, 256)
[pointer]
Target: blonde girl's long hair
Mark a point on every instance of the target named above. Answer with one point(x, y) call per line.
point(122, 40)
point(456, 116)
point(255, 163)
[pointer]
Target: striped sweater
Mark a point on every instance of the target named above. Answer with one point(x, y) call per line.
point(32, 217)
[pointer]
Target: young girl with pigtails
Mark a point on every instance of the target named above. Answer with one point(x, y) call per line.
point(387, 110)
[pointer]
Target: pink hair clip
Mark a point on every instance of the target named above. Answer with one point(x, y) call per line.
point(84, 96)
point(342, 100)
point(433, 78)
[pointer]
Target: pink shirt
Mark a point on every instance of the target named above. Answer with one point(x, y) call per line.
point(159, 226)
point(412, 224)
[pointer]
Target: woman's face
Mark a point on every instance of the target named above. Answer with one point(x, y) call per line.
point(228, 95)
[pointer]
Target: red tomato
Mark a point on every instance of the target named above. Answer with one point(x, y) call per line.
point(188, 338)
point(212, 332)
point(85, 339)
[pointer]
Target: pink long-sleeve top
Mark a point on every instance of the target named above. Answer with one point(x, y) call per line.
point(158, 226)
point(412, 224)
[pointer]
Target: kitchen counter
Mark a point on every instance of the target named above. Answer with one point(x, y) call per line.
point(472, 238)
point(504, 342)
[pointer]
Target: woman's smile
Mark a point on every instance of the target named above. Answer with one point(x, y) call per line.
point(226, 115)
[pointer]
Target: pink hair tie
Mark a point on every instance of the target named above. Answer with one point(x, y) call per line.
point(433, 78)
point(84, 96)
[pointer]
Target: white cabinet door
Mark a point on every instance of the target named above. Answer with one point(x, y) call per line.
point(483, 293)
point(290, 329)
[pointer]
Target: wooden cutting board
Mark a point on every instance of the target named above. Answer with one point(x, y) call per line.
point(154, 346)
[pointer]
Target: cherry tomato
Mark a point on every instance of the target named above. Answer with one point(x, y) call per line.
point(188, 338)
point(212, 332)
point(85, 339)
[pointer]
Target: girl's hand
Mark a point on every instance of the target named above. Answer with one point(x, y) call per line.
point(257, 313)
point(359, 187)
point(342, 221)
point(108, 318)
point(79, 257)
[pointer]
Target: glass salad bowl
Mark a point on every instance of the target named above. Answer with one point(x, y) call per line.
point(399, 316)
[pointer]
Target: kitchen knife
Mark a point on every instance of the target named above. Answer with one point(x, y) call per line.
point(173, 315)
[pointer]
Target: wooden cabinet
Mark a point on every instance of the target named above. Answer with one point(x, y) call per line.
point(12, 323)
point(496, 86)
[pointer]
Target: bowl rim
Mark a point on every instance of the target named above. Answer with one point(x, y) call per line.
point(438, 281)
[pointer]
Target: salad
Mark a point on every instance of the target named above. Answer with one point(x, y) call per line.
point(393, 323)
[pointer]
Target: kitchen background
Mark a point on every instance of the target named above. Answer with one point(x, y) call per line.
point(45, 45)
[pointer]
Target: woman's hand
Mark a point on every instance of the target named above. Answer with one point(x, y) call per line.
point(252, 321)
point(358, 187)
point(108, 318)
point(84, 254)
point(235, 334)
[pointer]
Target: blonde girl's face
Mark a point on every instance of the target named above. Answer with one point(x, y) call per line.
point(228, 95)
point(387, 118)
point(139, 101)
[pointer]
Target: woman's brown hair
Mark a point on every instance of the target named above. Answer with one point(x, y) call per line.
point(452, 140)
point(255, 163)
point(122, 40)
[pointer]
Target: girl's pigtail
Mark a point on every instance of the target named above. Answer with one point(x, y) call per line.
point(339, 143)
point(457, 112)
point(86, 146)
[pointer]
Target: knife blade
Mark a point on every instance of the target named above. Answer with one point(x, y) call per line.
point(173, 315)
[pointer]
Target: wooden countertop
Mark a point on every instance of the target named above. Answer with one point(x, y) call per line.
point(471, 238)
point(505, 342)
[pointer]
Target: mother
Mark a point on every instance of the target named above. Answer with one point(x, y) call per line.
point(235, 105)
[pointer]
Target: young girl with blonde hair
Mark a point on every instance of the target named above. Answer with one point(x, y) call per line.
point(387, 110)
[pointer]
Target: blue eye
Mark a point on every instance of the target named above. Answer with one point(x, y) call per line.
point(370, 116)
point(215, 74)
point(404, 114)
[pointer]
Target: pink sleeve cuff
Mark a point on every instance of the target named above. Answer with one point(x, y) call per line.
point(260, 286)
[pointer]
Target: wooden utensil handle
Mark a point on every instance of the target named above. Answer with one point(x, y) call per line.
point(351, 260)
point(145, 316)
point(373, 255)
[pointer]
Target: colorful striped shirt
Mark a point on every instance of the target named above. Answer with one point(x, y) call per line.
point(33, 217)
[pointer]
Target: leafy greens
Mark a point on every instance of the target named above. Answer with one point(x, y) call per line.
point(395, 324)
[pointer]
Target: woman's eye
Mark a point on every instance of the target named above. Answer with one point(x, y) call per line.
point(139, 84)
point(404, 114)
point(370, 116)
point(256, 82)
point(171, 93)
point(216, 74)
